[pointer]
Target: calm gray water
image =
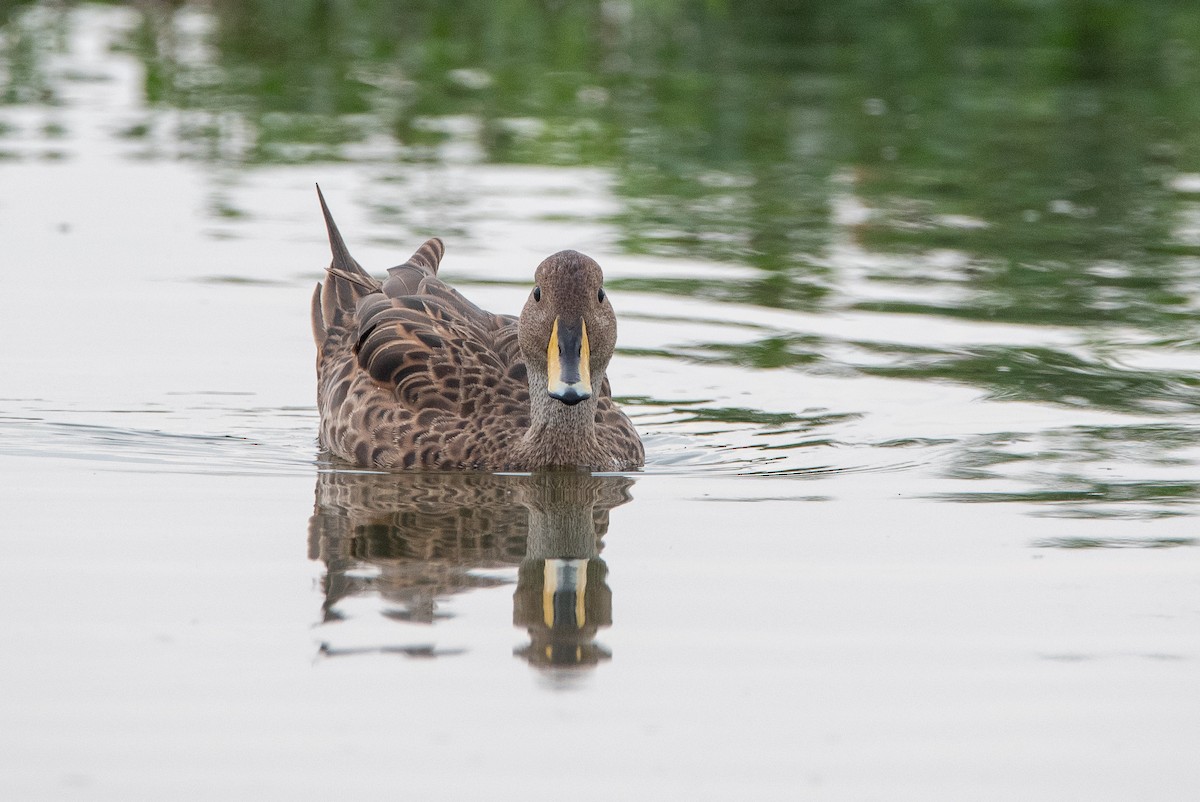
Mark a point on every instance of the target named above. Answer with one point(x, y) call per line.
point(910, 325)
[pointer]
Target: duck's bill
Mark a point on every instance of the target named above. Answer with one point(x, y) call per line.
point(569, 360)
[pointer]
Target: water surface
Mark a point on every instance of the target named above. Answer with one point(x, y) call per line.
point(909, 324)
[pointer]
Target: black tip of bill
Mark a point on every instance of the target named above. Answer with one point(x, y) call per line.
point(571, 396)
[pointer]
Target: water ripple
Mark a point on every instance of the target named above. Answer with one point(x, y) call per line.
point(136, 448)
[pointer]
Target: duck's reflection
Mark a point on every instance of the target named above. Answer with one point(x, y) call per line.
point(414, 539)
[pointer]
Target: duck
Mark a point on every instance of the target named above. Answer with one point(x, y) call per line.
point(413, 376)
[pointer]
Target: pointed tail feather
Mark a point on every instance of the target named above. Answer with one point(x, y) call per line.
point(343, 263)
point(347, 280)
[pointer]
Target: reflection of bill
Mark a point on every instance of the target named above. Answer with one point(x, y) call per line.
point(563, 603)
point(414, 539)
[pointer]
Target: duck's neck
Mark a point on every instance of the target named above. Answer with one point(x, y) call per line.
point(559, 434)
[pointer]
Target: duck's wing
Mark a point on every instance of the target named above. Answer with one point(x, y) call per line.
point(418, 276)
point(436, 350)
point(406, 279)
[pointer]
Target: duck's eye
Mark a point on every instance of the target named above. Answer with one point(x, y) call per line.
point(600, 295)
point(537, 293)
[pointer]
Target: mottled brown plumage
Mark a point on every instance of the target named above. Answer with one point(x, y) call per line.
point(410, 374)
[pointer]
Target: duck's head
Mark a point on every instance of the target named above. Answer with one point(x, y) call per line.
point(568, 328)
